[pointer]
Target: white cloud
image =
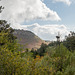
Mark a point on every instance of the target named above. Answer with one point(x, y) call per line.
point(18, 11)
point(46, 32)
point(24, 10)
point(68, 2)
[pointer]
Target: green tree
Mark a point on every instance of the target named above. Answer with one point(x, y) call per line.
point(70, 41)
point(42, 49)
point(13, 64)
point(6, 33)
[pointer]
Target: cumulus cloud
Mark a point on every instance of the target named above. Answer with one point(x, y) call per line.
point(19, 11)
point(46, 32)
point(25, 10)
point(68, 2)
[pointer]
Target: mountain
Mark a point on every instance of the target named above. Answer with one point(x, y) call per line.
point(28, 39)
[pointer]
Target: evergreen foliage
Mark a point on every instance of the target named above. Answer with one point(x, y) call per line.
point(70, 41)
point(42, 49)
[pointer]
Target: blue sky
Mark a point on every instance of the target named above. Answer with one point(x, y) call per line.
point(45, 18)
point(66, 13)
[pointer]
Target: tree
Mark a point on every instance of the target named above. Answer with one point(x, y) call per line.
point(70, 41)
point(42, 49)
point(1, 8)
point(6, 33)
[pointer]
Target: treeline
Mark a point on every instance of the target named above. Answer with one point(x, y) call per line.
point(52, 59)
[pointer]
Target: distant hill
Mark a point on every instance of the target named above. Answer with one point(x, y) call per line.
point(28, 39)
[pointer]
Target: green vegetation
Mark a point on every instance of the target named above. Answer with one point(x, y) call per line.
point(70, 41)
point(52, 59)
point(47, 60)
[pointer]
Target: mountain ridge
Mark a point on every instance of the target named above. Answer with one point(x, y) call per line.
point(28, 39)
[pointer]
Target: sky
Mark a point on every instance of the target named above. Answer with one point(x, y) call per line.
point(45, 18)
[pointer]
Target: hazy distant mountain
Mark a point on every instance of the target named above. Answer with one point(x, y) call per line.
point(28, 39)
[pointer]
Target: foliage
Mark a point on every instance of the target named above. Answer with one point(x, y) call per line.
point(6, 31)
point(54, 43)
point(70, 41)
point(47, 60)
point(56, 61)
point(42, 49)
point(7, 40)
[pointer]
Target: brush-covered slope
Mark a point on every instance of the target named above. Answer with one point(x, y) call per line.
point(28, 39)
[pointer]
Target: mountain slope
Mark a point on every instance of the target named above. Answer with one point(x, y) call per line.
point(28, 39)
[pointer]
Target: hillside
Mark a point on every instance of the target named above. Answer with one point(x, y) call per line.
point(28, 39)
